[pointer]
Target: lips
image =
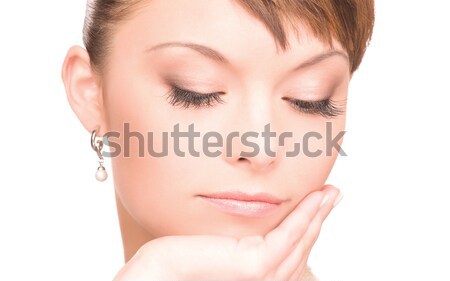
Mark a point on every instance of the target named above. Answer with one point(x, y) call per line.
point(243, 204)
point(241, 196)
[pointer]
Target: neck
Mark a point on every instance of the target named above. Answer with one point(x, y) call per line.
point(133, 235)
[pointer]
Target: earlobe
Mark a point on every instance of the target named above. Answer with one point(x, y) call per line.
point(84, 90)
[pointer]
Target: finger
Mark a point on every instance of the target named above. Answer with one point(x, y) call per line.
point(288, 267)
point(313, 231)
point(220, 257)
point(301, 270)
point(294, 262)
point(180, 257)
point(283, 239)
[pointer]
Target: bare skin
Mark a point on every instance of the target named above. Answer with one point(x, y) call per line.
point(157, 197)
point(281, 254)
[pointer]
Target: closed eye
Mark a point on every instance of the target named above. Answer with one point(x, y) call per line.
point(178, 96)
point(326, 108)
point(185, 98)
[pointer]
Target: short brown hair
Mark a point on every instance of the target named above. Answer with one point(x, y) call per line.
point(350, 22)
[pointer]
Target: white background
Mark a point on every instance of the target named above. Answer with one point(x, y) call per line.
point(58, 223)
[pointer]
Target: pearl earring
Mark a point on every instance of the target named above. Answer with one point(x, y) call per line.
point(97, 146)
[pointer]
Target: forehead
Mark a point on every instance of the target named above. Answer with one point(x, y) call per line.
point(220, 24)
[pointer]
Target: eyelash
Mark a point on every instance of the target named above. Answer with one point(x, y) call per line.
point(178, 96)
point(327, 108)
point(185, 98)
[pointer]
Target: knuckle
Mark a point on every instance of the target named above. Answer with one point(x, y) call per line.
point(251, 242)
point(143, 249)
point(143, 254)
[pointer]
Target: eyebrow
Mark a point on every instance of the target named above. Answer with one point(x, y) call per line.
point(218, 57)
point(204, 50)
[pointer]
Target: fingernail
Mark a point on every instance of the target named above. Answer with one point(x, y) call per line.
point(324, 200)
point(338, 198)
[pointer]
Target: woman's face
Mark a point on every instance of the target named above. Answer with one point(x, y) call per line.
point(253, 81)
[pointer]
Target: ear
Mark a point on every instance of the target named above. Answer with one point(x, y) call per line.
point(84, 90)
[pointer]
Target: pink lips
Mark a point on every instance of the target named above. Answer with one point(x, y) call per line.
point(239, 203)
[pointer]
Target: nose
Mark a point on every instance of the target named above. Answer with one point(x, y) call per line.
point(254, 150)
point(252, 142)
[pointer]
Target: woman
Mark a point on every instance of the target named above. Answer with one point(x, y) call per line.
point(228, 70)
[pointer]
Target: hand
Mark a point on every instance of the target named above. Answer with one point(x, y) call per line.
point(281, 254)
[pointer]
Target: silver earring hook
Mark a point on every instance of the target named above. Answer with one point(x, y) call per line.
point(97, 145)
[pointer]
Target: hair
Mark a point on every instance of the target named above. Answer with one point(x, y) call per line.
point(349, 22)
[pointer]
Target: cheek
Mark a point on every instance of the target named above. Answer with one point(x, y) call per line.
point(310, 169)
point(148, 187)
point(154, 193)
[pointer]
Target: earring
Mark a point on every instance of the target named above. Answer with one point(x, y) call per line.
point(97, 146)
